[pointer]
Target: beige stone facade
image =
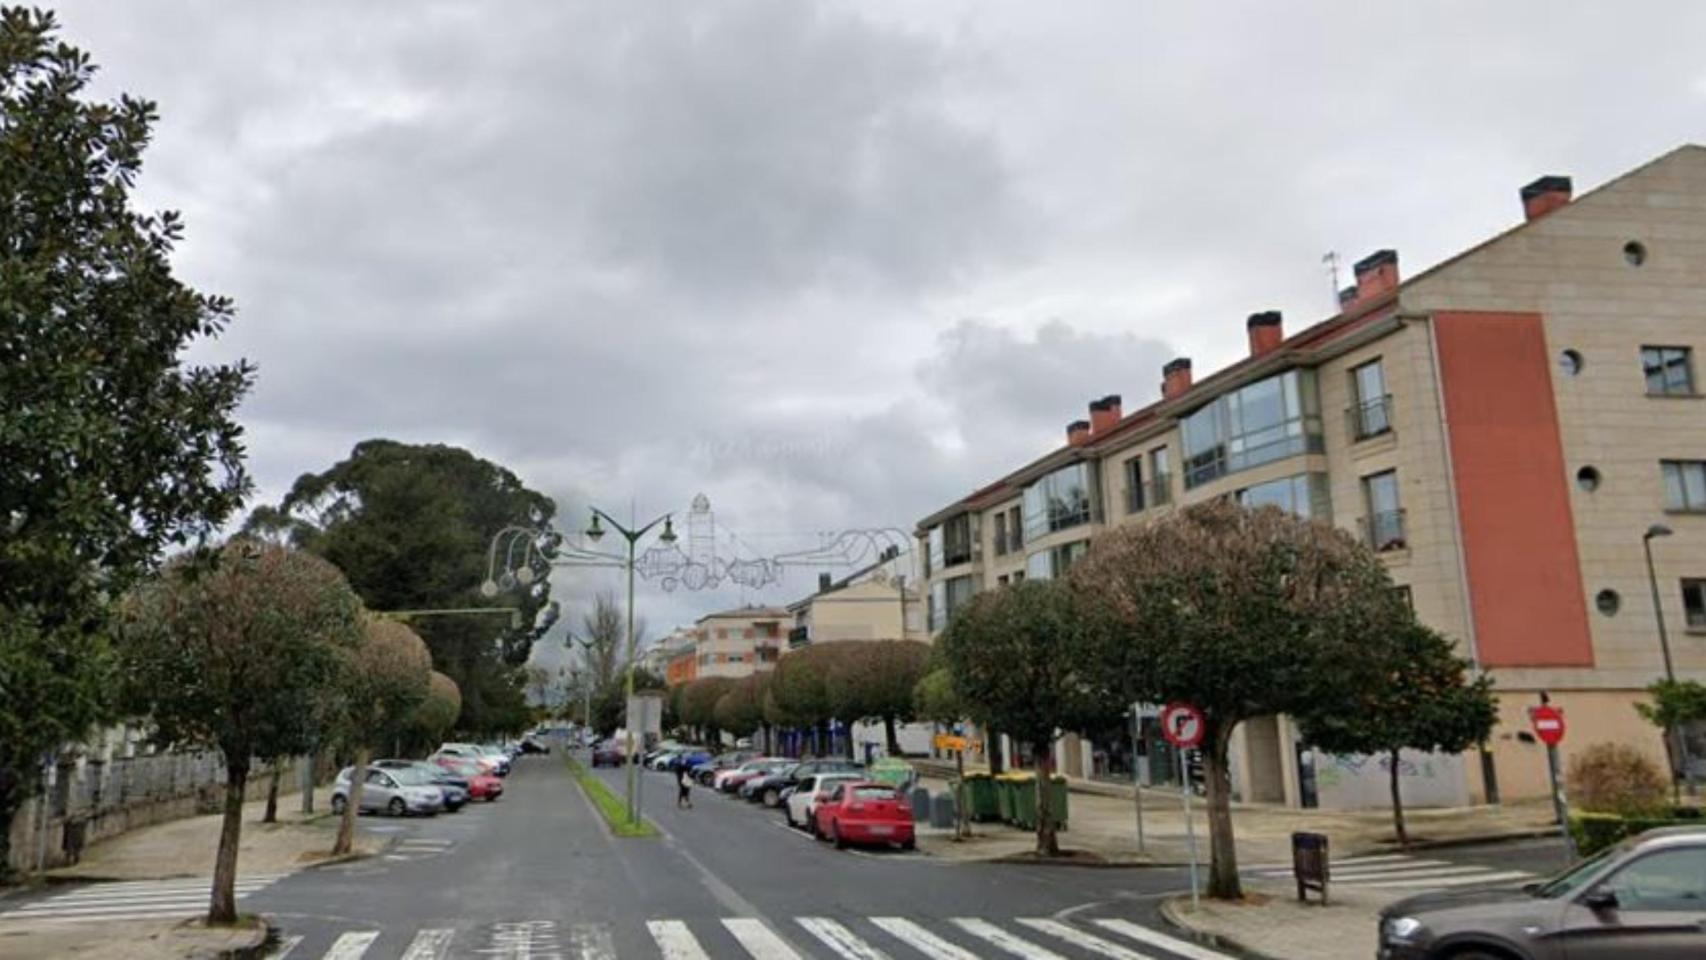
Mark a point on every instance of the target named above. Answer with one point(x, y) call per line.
point(1506, 483)
point(740, 642)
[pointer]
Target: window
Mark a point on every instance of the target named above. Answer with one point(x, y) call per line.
point(1405, 595)
point(1065, 498)
point(1669, 880)
point(1385, 516)
point(1634, 253)
point(1694, 603)
point(1134, 484)
point(1259, 423)
point(1160, 478)
point(1015, 532)
point(1052, 563)
point(1685, 485)
point(1668, 371)
point(1371, 413)
point(957, 537)
point(1570, 362)
point(1001, 581)
point(1588, 479)
point(946, 596)
point(1000, 534)
point(1608, 602)
point(933, 550)
point(1304, 494)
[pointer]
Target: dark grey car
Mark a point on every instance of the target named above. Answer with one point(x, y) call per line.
point(1643, 898)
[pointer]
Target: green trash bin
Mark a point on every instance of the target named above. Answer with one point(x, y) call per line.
point(1057, 805)
point(1024, 786)
point(980, 798)
point(1004, 798)
point(895, 773)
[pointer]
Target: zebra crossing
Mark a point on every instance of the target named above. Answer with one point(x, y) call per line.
point(135, 900)
point(868, 938)
point(419, 848)
point(1401, 872)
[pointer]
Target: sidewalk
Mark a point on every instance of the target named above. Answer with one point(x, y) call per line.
point(127, 940)
point(1271, 922)
point(1105, 827)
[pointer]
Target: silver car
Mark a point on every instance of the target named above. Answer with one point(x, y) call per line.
point(397, 792)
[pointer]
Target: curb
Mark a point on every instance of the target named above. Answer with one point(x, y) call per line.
point(1170, 914)
point(1470, 841)
point(266, 939)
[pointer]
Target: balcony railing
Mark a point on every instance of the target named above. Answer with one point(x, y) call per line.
point(1160, 489)
point(799, 636)
point(1134, 498)
point(1385, 531)
point(1371, 418)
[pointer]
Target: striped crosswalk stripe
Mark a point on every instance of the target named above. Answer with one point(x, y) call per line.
point(759, 940)
point(282, 950)
point(352, 945)
point(921, 939)
point(1478, 879)
point(675, 940)
point(840, 939)
point(1395, 871)
point(128, 901)
point(1017, 946)
point(429, 945)
point(591, 941)
point(1079, 938)
point(1174, 945)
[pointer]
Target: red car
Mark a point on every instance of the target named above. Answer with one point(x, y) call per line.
point(863, 812)
point(481, 785)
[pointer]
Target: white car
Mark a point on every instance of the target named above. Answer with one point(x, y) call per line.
point(802, 803)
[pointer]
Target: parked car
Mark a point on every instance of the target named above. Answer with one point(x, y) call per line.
point(687, 759)
point(470, 751)
point(772, 789)
point(730, 781)
point(1644, 897)
point(608, 754)
point(661, 759)
point(397, 792)
point(704, 772)
point(454, 788)
point(498, 755)
point(863, 811)
point(481, 784)
point(533, 744)
point(486, 764)
point(801, 805)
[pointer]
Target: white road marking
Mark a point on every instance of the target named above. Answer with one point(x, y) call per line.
point(676, 940)
point(758, 939)
point(524, 940)
point(1362, 878)
point(283, 949)
point(351, 945)
point(1079, 938)
point(1472, 880)
point(840, 939)
point(592, 941)
point(1017, 946)
point(921, 939)
point(1183, 948)
point(429, 945)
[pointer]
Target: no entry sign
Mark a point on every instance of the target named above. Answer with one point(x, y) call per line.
point(1548, 724)
point(1182, 725)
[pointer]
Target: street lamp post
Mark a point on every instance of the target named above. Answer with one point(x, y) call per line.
point(594, 532)
point(1679, 740)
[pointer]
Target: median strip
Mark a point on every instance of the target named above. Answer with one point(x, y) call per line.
point(613, 808)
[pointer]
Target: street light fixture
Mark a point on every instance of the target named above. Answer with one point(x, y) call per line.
point(1679, 740)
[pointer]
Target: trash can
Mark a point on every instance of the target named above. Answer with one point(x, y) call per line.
point(1004, 798)
point(980, 800)
point(1024, 801)
point(919, 798)
point(1057, 805)
point(943, 814)
point(1309, 864)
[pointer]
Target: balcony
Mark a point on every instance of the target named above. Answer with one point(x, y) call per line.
point(1384, 532)
point(1371, 418)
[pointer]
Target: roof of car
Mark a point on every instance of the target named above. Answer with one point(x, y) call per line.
point(1666, 836)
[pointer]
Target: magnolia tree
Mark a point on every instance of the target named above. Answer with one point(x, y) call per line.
point(1241, 613)
point(1023, 657)
point(385, 679)
point(223, 650)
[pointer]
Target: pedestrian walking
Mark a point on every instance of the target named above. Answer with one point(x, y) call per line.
point(683, 789)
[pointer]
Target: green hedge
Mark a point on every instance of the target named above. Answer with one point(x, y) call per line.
point(1596, 831)
point(613, 808)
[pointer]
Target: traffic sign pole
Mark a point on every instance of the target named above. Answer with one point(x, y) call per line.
point(1190, 831)
point(1184, 725)
point(1136, 782)
point(1548, 723)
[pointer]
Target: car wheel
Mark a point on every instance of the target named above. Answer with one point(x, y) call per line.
point(836, 837)
point(338, 805)
point(789, 813)
point(397, 807)
point(909, 844)
point(772, 797)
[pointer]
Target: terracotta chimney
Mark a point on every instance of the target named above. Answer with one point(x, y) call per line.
point(1078, 433)
point(1347, 296)
point(1104, 414)
point(1175, 378)
point(1266, 331)
point(1545, 195)
point(1377, 275)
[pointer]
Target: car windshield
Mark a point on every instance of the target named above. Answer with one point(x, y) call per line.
point(463, 768)
point(1573, 878)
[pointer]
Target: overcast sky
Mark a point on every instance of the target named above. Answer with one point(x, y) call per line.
point(831, 264)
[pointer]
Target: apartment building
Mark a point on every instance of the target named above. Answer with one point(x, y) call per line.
point(673, 656)
point(1504, 429)
point(739, 642)
point(876, 602)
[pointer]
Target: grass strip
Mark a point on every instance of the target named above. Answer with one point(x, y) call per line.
point(614, 808)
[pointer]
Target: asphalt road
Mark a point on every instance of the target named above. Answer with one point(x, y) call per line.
point(537, 875)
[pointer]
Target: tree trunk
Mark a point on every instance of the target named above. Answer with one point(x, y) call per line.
point(1048, 844)
point(1223, 851)
point(960, 795)
point(894, 738)
point(11, 798)
point(271, 816)
point(222, 905)
point(352, 804)
point(852, 748)
point(1398, 805)
point(992, 749)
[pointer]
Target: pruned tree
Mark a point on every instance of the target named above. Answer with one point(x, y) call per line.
point(801, 687)
point(385, 679)
point(883, 673)
point(1423, 698)
point(699, 700)
point(436, 715)
point(1024, 657)
point(113, 447)
point(223, 650)
point(1241, 613)
point(740, 710)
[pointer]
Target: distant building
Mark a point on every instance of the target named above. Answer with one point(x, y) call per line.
point(739, 642)
point(874, 603)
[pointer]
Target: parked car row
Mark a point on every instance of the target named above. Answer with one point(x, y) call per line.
point(834, 799)
point(456, 774)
